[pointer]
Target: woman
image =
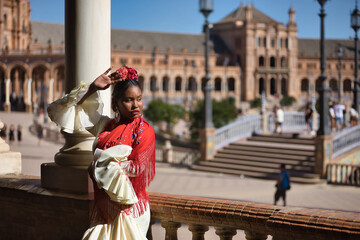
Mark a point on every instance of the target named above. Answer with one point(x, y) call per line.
point(309, 118)
point(124, 153)
point(12, 134)
point(19, 133)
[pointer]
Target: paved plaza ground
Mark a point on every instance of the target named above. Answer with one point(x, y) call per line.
point(182, 181)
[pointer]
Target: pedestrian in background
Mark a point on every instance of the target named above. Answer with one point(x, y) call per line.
point(309, 118)
point(332, 116)
point(279, 120)
point(282, 185)
point(39, 134)
point(339, 115)
point(19, 133)
point(11, 134)
point(354, 116)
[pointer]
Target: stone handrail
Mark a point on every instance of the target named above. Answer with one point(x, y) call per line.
point(257, 220)
point(177, 155)
point(346, 140)
point(345, 174)
point(292, 121)
point(241, 128)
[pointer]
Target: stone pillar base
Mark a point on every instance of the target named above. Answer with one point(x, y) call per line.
point(28, 108)
point(66, 178)
point(264, 122)
point(207, 145)
point(10, 163)
point(7, 107)
point(323, 152)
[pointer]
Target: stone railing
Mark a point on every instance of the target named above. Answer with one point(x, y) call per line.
point(257, 220)
point(177, 155)
point(292, 121)
point(345, 174)
point(241, 128)
point(345, 141)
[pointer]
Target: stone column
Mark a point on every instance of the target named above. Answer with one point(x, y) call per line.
point(51, 90)
point(323, 153)
point(29, 96)
point(87, 55)
point(16, 83)
point(7, 106)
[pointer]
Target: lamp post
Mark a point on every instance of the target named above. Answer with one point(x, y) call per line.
point(355, 24)
point(339, 54)
point(206, 7)
point(324, 128)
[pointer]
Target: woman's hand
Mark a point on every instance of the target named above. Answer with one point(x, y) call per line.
point(104, 81)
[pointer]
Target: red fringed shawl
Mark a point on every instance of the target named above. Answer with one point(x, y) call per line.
point(140, 168)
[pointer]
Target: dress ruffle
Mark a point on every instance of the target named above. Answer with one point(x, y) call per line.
point(72, 117)
point(123, 227)
point(111, 177)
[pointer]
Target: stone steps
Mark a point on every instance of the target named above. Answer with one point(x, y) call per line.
point(261, 155)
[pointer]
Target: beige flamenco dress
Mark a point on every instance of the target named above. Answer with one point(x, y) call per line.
point(108, 166)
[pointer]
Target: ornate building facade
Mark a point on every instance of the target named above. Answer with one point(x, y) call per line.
point(250, 53)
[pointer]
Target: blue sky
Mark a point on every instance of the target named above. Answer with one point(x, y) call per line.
point(184, 16)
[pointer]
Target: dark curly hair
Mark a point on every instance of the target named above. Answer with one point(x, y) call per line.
point(119, 90)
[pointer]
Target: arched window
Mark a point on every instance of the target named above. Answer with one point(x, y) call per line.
point(333, 85)
point(178, 81)
point(261, 85)
point(165, 84)
point(153, 86)
point(261, 61)
point(217, 84)
point(192, 86)
point(272, 86)
point(231, 84)
point(347, 85)
point(272, 62)
point(141, 82)
point(304, 85)
point(284, 86)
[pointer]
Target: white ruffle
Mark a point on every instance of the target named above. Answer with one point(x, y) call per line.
point(72, 117)
point(110, 176)
point(123, 227)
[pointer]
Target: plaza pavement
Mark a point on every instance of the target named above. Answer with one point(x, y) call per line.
point(182, 181)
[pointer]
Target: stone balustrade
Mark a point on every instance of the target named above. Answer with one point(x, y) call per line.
point(257, 220)
point(345, 174)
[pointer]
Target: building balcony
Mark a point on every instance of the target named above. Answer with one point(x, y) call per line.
point(271, 70)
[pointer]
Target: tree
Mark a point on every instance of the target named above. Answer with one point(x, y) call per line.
point(223, 112)
point(159, 111)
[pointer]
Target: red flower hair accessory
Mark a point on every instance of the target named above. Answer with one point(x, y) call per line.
point(127, 73)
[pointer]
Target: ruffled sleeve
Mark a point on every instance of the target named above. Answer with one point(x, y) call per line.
point(111, 177)
point(72, 117)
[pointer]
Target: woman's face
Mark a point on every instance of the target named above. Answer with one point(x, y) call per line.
point(130, 105)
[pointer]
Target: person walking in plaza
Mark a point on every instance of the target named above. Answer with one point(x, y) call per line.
point(124, 153)
point(332, 116)
point(279, 119)
point(11, 134)
point(282, 185)
point(40, 133)
point(354, 116)
point(309, 118)
point(339, 115)
point(19, 134)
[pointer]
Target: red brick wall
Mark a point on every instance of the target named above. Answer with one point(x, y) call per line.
point(26, 215)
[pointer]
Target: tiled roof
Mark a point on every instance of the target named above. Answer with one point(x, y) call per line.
point(239, 14)
point(44, 31)
point(311, 47)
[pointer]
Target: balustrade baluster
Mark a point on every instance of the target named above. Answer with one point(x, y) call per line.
point(170, 229)
point(250, 235)
point(198, 231)
point(225, 233)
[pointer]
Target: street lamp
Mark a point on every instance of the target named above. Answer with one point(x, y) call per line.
point(339, 54)
point(324, 128)
point(355, 24)
point(206, 7)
